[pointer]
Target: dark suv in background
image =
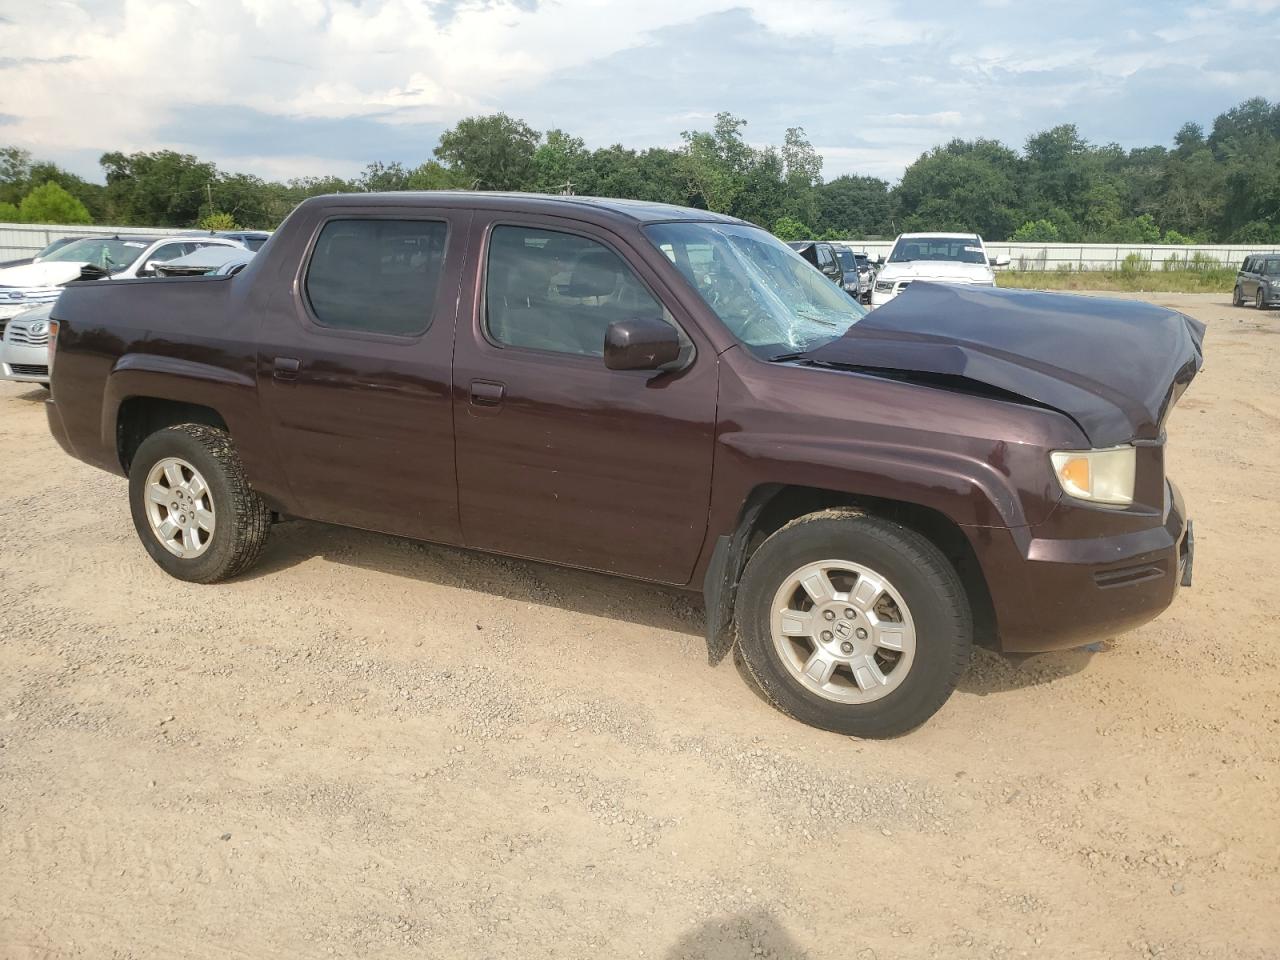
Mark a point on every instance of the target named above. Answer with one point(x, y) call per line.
point(1258, 281)
point(823, 256)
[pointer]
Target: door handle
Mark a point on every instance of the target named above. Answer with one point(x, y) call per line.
point(487, 393)
point(285, 368)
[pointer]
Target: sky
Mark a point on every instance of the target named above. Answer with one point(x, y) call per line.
point(291, 88)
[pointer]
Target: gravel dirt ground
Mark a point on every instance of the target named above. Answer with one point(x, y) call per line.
point(370, 747)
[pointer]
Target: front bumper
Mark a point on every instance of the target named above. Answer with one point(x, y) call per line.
point(1053, 594)
point(23, 362)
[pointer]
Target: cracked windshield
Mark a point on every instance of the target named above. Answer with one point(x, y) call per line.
point(768, 297)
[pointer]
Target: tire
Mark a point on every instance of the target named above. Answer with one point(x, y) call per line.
point(1237, 297)
point(1257, 299)
point(239, 519)
point(935, 614)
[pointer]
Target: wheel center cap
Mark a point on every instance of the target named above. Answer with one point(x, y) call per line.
point(843, 629)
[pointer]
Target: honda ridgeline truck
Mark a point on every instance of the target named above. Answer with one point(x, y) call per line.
point(663, 394)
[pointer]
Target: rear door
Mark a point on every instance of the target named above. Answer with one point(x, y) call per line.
point(559, 457)
point(354, 370)
point(827, 261)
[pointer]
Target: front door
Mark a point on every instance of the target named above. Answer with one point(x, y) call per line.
point(560, 458)
point(354, 371)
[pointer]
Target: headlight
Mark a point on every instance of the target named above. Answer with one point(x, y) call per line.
point(1101, 476)
point(884, 286)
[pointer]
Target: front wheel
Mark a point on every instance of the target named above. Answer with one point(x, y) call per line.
point(853, 624)
point(192, 505)
point(1257, 299)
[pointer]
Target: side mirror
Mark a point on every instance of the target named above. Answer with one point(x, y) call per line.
point(640, 344)
point(149, 269)
point(1001, 261)
point(879, 261)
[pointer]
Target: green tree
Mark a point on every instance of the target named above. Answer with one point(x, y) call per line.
point(492, 153)
point(856, 207)
point(431, 175)
point(162, 189)
point(8, 212)
point(962, 186)
point(716, 162)
point(560, 163)
point(1036, 231)
point(49, 203)
point(218, 221)
point(789, 228)
point(802, 168)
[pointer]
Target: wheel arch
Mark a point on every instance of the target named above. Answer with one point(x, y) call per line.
point(770, 506)
point(139, 416)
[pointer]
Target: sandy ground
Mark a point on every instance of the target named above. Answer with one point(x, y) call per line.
point(376, 748)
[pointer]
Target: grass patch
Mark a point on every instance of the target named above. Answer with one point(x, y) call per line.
point(1220, 280)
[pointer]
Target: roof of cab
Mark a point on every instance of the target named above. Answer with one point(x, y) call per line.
point(640, 211)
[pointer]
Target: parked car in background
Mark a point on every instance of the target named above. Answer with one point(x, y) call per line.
point(823, 256)
point(1258, 281)
point(866, 267)
point(35, 259)
point(937, 257)
point(692, 405)
point(854, 283)
point(252, 239)
point(215, 261)
point(24, 350)
point(54, 245)
point(93, 258)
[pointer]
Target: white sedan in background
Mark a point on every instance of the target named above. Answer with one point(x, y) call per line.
point(27, 293)
point(937, 258)
point(24, 346)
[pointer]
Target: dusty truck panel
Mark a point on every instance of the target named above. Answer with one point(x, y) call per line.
point(664, 394)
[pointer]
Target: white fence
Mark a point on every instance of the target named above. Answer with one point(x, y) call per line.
point(1095, 256)
point(23, 239)
point(18, 240)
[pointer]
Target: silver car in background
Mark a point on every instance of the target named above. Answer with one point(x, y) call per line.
point(24, 346)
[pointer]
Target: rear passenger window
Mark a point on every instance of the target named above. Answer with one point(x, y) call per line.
point(377, 276)
point(556, 291)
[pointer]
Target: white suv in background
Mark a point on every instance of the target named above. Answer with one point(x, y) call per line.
point(938, 258)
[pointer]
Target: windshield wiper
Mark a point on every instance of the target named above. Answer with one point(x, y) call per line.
point(786, 357)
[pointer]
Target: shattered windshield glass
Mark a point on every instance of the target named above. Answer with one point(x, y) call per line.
point(769, 298)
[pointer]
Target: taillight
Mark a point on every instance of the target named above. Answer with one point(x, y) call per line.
point(53, 342)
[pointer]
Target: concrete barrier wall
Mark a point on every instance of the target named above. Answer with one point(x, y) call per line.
point(19, 240)
point(1097, 256)
point(24, 239)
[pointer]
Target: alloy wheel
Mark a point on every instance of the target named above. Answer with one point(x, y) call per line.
point(843, 631)
point(180, 508)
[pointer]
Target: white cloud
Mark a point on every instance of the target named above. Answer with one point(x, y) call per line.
point(82, 76)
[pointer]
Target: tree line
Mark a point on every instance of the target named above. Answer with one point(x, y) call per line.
point(1220, 185)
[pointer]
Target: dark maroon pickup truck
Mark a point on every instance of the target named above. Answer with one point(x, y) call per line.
point(664, 394)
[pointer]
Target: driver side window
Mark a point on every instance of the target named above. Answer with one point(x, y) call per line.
point(546, 290)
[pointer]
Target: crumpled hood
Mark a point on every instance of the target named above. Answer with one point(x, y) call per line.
point(945, 270)
point(1116, 367)
point(44, 274)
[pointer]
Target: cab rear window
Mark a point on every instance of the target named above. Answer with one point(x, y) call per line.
point(376, 276)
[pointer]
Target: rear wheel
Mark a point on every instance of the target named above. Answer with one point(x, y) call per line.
point(192, 505)
point(853, 624)
point(1237, 297)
